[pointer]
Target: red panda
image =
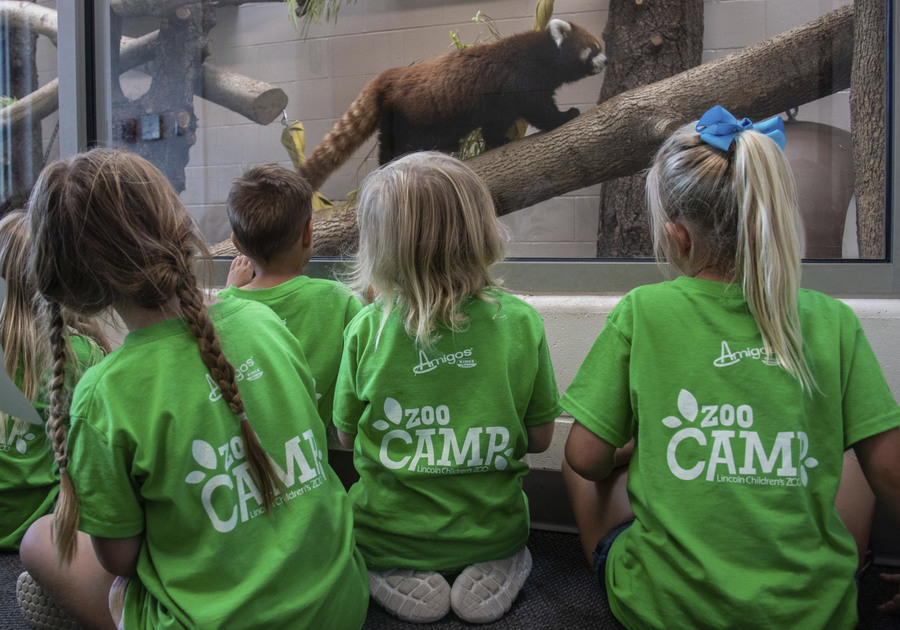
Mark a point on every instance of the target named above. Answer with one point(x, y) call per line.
point(434, 104)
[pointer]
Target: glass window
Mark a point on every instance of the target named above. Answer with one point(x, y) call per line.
point(29, 89)
point(206, 89)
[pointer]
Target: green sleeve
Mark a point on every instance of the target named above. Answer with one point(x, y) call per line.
point(94, 456)
point(599, 396)
point(348, 408)
point(544, 405)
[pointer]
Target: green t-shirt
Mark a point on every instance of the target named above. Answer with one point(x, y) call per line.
point(735, 469)
point(316, 311)
point(440, 434)
point(29, 480)
point(156, 451)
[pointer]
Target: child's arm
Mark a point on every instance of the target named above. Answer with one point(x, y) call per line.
point(588, 455)
point(119, 556)
point(539, 437)
point(879, 457)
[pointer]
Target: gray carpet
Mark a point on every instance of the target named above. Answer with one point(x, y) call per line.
point(559, 595)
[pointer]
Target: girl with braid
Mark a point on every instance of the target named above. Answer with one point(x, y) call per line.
point(192, 456)
point(723, 402)
point(28, 479)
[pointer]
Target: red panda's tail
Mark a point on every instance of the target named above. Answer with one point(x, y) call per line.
point(357, 124)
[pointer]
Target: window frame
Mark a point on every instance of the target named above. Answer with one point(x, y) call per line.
point(84, 77)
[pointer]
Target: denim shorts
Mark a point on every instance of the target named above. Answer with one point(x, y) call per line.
point(602, 551)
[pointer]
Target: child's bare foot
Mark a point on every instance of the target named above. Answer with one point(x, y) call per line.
point(240, 273)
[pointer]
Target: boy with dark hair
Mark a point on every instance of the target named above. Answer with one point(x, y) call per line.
point(270, 210)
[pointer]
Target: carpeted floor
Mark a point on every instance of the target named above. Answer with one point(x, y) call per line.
point(559, 595)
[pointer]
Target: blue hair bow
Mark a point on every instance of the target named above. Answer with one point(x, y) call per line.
point(719, 128)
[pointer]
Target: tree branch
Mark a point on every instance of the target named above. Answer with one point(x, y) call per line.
point(256, 100)
point(162, 8)
point(40, 19)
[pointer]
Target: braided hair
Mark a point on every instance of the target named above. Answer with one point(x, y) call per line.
point(108, 230)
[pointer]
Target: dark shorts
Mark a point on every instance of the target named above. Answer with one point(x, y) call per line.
point(602, 551)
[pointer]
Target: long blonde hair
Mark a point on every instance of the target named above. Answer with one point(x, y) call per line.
point(428, 234)
point(23, 327)
point(25, 347)
point(740, 208)
point(109, 229)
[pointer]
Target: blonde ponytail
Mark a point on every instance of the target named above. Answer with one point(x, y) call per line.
point(767, 259)
point(738, 201)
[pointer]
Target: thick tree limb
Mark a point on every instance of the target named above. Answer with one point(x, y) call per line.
point(40, 19)
point(619, 136)
point(867, 108)
point(36, 106)
point(259, 101)
point(162, 8)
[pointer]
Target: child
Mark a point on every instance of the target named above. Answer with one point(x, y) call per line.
point(210, 521)
point(270, 209)
point(445, 384)
point(28, 480)
point(741, 393)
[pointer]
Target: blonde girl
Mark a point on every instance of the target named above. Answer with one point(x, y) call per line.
point(445, 383)
point(29, 482)
point(208, 521)
point(739, 393)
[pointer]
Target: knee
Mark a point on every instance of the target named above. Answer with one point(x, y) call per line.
point(37, 544)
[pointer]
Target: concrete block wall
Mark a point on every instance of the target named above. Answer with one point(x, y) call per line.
point(324, 72)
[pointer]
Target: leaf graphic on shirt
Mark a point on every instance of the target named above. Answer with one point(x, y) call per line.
point(205, 455)
point(394, 412)
point(805, 462)
point(195, 476)
point(687, 405)
point(500, 463)
point(672, 422)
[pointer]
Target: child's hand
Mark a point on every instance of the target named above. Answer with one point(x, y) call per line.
point(893, 604)
point(240, 273)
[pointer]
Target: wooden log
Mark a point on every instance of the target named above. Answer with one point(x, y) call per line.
point(36, 106)
point(40, 19)
point(45, 100)
point(257, 100)
point(868, 103)
point(165, 8)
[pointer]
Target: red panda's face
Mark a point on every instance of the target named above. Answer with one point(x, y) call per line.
point(583, 51)
point(593, 58)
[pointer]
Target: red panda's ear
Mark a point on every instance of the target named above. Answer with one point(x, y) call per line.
point(559, 30)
